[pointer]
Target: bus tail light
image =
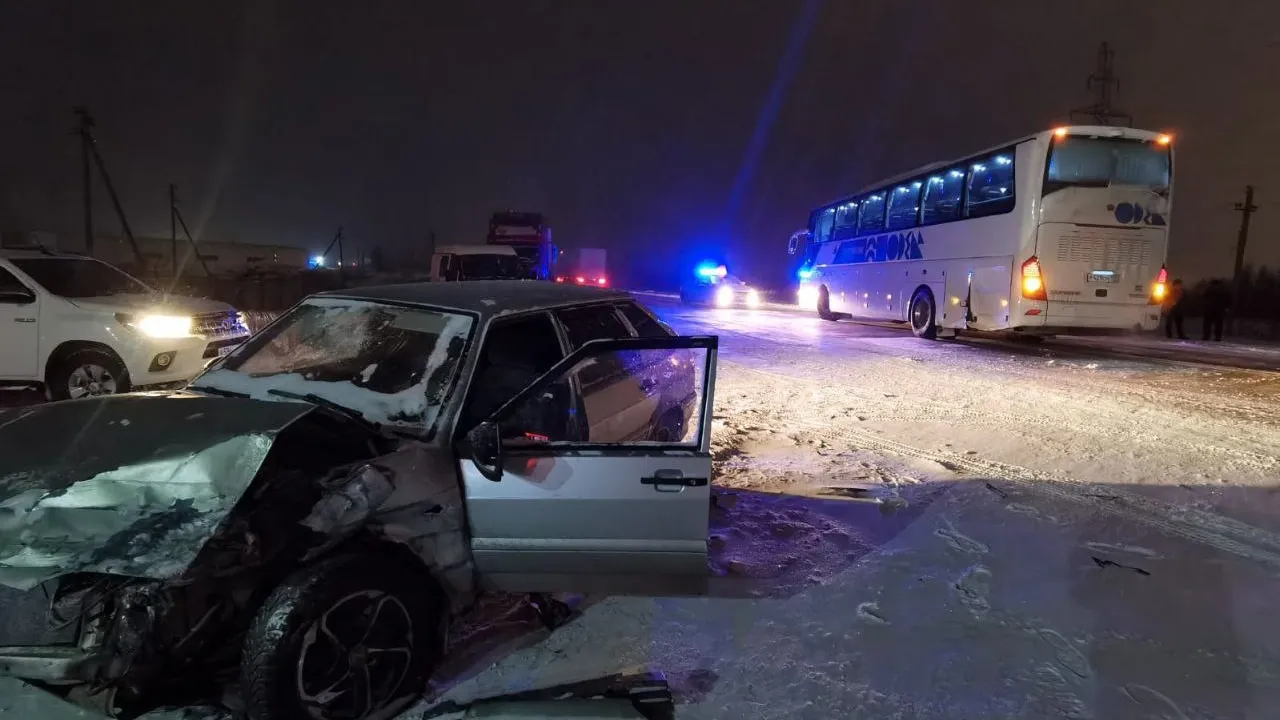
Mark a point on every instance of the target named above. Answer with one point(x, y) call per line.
point(1033, 280)
point(1160, 287)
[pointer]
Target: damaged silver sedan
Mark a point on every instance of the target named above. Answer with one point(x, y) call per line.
point(294, 531)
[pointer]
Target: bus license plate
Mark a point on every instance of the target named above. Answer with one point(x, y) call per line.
point(226, 350)
point(1101, 276)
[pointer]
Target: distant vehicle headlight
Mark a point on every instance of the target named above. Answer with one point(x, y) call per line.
point(753, 298)
point(159, 326)
point(724, 296)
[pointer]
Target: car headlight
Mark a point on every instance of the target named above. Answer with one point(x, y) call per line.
point(724, 296)
point(159, 326)
point(753, 298)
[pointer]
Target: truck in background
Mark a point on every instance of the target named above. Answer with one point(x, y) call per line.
point(587, 267)
point(451, 263)
point(529, 235)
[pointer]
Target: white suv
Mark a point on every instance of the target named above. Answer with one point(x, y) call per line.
point(79, 326)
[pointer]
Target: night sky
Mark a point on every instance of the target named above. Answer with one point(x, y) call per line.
point(661, 129)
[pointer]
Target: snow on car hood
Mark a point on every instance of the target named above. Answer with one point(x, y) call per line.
point(130, 485)
point(131, 302)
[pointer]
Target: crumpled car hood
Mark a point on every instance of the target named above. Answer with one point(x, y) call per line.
point(129, 484)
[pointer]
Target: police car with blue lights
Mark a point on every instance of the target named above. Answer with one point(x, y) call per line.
point(712, 285)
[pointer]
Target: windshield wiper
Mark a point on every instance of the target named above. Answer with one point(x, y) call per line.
point(328, 404)
point(218, 391)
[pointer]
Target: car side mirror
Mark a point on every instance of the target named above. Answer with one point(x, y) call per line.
point(485, 443)
point(17, 297)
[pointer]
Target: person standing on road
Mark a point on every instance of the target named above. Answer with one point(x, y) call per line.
point(1174, 310)
point(1217, 301)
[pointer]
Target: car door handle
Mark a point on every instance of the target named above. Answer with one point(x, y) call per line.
point(672, 481)
point(24, 320)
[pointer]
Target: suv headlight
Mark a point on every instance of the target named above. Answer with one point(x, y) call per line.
point(158, 326)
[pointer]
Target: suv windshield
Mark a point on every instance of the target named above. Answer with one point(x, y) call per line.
point(489, 267)
point(79, 277)
point(393, 365)
point(1100, 162)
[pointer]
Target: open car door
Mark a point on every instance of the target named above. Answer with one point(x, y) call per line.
point(596, 478)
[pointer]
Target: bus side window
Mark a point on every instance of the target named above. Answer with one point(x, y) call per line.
point(991, 185)
point(847, 215)
point(942, 195)
point(871, 216)
point(822, 230)
point(904, 205)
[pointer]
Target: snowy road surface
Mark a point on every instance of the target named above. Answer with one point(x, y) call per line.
point(974, 529)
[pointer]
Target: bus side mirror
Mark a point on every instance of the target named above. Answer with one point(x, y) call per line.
point(797, 241)
point(793, 245)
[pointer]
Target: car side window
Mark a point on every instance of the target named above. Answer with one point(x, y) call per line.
point(514, 353)
point(9, 283)
point(651, 396)
point(643, 323)
point(596, 322)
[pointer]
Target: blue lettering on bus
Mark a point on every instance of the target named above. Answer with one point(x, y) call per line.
point(881, 248)
point(1135, 214)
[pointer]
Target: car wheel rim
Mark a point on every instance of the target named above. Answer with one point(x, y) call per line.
point(355, 658)
point(89, 380)
point(920, 313)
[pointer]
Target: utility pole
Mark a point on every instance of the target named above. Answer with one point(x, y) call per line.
point(1102, 81)
point(1246, 210)
point(89, 148)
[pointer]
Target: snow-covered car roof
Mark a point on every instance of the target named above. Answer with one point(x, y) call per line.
point(483, 297)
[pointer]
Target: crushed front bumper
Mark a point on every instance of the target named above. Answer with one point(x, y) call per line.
point(52, 664)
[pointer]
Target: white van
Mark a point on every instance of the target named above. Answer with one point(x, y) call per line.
point(477, 262)
point(79, 326)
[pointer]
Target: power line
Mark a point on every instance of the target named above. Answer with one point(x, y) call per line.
point(1103, 82)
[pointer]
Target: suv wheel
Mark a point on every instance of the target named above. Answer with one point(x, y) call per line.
point(353, 638)
point(86, 373)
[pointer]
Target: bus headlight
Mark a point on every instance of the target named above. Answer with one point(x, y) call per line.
point(724, 296)
point(753, 298)
point(807, 297)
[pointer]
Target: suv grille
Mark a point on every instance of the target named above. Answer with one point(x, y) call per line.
point(220, 326)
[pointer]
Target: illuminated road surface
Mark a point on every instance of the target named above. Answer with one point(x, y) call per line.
point(961, 530)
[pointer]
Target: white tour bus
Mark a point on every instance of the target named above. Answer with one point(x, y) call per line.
point(1065, 230)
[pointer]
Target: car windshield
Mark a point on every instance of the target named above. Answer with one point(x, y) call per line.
point(79, 277)
point(1100, 162)
point(393, 365)
point(489, 267)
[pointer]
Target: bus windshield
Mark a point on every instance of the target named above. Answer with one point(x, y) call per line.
point(1101, 162)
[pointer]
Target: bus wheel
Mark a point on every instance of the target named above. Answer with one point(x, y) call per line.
point(923, 323)
point(824, 305)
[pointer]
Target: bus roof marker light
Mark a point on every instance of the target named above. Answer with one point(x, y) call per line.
point(1164, 139)
point(1060, 132)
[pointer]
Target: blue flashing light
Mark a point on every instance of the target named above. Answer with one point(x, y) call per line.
point(711, 271)
point(804, 273)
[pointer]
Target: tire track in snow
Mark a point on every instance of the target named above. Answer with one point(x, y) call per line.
point(1199, 526)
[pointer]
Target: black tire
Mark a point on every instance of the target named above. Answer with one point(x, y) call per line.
point(824, 305)
point(408, 608)
point(923, 315)
point(61, 371)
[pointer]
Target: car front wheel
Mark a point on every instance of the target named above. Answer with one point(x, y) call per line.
point(86, 373)
point(352, 638)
